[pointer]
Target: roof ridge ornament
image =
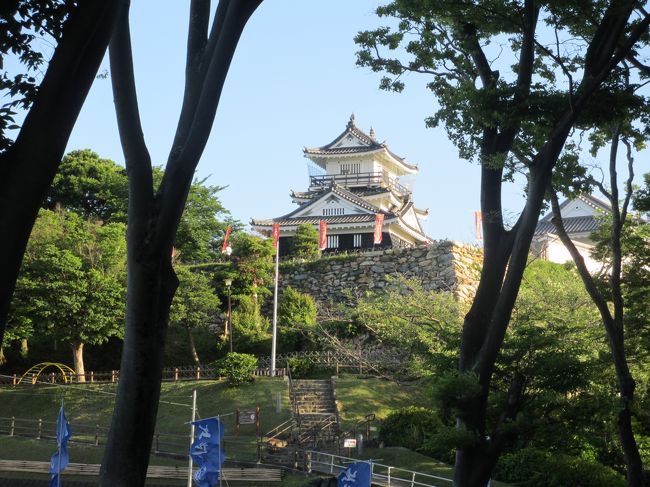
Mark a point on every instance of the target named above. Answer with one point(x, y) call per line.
point(372, 133)
point(351, 122)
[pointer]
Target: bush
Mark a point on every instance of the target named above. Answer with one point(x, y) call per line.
point(531, 467)
point(300, 367)
point(408, 427)
point(296, 316)
point(237, 368)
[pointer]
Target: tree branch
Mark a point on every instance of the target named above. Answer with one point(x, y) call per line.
point(590, 286)
point(136, 155)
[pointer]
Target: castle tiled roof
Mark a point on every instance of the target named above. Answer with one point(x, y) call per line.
point(313, 220)
point(575, 224)
point(368, 141)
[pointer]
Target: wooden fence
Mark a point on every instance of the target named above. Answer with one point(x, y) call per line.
point(172, 445)
point(169, 374)
point(363, 361)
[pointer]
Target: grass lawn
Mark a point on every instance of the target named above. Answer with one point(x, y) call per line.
point(357, 397)
point(93, 405)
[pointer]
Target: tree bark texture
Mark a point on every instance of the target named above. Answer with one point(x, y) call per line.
point(506, 251)
point(153, 220)
point(190, 341)
point(28, 167)
point(78, 361)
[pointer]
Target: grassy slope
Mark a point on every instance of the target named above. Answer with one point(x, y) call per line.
point(93, 405)
point(358, 397)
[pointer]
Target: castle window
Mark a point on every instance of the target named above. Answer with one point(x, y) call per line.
point(350, 168)
point(332, 241)
point(333, 211)
point(356, 241)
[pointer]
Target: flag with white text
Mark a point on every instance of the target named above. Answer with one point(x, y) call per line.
point(207, 451)
point(356, 475)
point(276, 234)
point(379, 228)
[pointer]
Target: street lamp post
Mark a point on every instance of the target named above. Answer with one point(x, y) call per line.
point(228, 283)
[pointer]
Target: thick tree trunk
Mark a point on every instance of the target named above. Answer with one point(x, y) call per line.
point(28, 167)
point(78, 361)
point(151, 286)
point(190, 341)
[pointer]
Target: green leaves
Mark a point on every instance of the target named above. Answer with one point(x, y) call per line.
point(71, 286)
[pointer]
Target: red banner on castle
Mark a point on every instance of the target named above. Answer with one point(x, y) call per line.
point(276, 234)
point(225, 239)
point(379, 228)
point(478, 224)
point(322, 241)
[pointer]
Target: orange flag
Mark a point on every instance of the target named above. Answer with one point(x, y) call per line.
point(322, 241)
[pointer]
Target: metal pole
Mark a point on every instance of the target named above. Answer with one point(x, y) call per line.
point(274, 339)
point(229, 318)
point(189, 468)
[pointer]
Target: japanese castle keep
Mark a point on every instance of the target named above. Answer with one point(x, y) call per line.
point(359, 178)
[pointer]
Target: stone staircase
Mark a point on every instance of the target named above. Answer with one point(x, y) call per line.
point(315, 411)
point(315, 424)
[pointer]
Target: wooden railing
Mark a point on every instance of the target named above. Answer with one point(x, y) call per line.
point(359, 179)
point(356, 361)
point(169, 374)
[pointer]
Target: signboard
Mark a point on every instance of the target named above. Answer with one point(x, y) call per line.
point(247, 417)
point(350, 443)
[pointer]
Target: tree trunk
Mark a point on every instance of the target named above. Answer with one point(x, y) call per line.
point(28, 167)
point(78, 361)
point(151, 286)
point(614, 326)
point(190, 340)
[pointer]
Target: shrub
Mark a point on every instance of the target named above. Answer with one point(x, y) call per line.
point(531, 467)
point(408, 427)
point(296, 316)
point(237, 368)
point(300, 367)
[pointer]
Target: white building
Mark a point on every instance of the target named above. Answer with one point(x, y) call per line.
point(580, 221)
point(359, 178)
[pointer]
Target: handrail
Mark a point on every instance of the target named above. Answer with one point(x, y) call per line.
point(279, 429)
point(380, 474)
point(292, 393)
point(314, 431)
point(352, 432)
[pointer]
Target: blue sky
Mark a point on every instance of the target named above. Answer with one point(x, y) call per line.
point(293, 83)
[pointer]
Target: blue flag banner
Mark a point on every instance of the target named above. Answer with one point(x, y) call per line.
point(356, 475)
point(207, 451)
point(60, 459)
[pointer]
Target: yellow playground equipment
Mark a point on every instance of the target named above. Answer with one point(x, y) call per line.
point(34, 372)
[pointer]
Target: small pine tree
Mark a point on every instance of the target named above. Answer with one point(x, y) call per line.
point(304, 244)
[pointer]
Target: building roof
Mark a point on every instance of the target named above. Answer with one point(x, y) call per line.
point(366, 144)
point(313, 220)
point(572, 225)
point(590, 200)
